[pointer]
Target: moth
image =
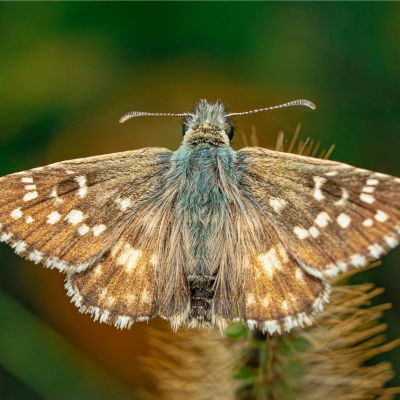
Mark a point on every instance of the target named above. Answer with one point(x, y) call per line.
point(203, 235)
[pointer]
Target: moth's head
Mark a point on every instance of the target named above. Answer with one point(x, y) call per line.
point(211, 122)
point(208, 122)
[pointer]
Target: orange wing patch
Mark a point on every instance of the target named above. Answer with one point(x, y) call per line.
point(279, 294)
point(119, 290)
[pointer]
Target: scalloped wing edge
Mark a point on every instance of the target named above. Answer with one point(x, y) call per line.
point(299, 320)
point(372, 253)
point(29, 253)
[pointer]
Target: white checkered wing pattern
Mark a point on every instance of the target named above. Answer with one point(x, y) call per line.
point(69, 214)
point(329, 216)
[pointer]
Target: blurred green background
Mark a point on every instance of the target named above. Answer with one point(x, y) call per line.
point(68, 71)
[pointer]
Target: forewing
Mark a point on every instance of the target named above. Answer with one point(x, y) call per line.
point(279, 294)
point(67, 215)
point(330, 216)
point(119, 289)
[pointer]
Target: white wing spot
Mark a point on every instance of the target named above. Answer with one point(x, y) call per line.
point(331, 173)
point(277, 204)
point(30, 187)
point(28, 219)
point(333, 269)
point(110, 300)
point(343, 200)
point(285, 305)
point(81, 180)
point(27, 180)
point(74, 217)
point(343, 220)
point(54, 195)
point(16, 214)
point(130, 298)
point(53, 217)
point(30, 196)
point(299, 274)
point(83, 229)
point(342, 266)
point(372, 182)
point(376, 250)
point(314, 232)
point(98, 229)
point(97, 270)
point(368, 222)
point(124, 203)
point(358, 260)
point(381, 216)
point(391, 241)
point(129, 257)
point(368, 189)
point(323, 219)
point(319, 181)
point(301, 233)
point(367, 198)
point(271, 260)
point(265, 302)
point(250, 299)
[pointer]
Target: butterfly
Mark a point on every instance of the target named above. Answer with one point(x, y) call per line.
point(203, 235)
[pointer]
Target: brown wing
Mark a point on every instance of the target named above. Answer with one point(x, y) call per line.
point(330, 216)
point(279, 294)
point(119, 289)
point(67, 215)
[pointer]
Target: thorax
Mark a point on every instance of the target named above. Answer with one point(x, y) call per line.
point(205, 171)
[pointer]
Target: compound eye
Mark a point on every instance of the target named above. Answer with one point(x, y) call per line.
point(184, 129)
point(230, 132)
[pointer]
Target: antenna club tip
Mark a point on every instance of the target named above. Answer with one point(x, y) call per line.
point(309, 104)
point(125, 117)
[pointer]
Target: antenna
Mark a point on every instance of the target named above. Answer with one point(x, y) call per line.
point(300, 102)
point(134, 114)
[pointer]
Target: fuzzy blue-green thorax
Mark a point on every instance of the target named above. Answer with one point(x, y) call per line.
point(208, 123)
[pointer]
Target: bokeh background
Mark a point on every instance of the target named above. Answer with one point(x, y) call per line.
point(68, 71)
